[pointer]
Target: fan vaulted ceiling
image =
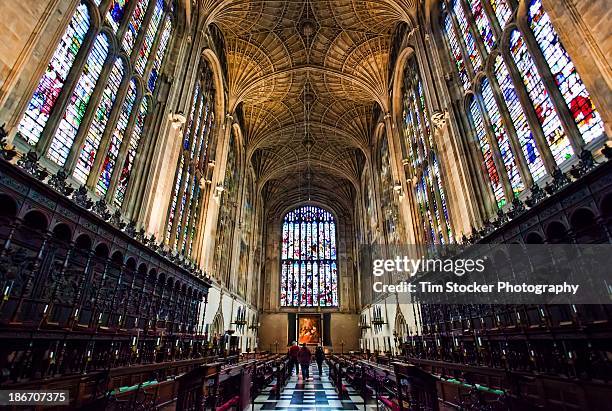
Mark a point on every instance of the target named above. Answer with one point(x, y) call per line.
point(308, 73)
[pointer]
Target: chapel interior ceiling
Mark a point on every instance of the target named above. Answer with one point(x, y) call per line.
point(308, 74)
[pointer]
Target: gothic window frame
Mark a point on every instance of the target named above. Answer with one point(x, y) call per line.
point(286, 261)
point(388, 195)
point(421, 159)
point(247, 230)
point(513, 119)
point(199, 139)
point(97, 124)
point(227, 218)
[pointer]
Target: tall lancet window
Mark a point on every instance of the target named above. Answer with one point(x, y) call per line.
point(529, 109)
point(388, 197)
point(421, 154)
point(309, 270)
point(88, 111)
point(186, 204)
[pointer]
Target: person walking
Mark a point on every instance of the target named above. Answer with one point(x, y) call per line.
point(304, 357)
point(293, 358)
point(319, 358)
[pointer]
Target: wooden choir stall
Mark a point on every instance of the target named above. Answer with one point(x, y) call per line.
point(92, 306)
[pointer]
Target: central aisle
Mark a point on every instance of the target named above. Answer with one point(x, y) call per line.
point(315, 394)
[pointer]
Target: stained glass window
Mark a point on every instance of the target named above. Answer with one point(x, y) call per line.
point(390, 209)
point(185, 204)
point(482, 22)
point(519, 120)
point(133, 28)
point(161, 51)
point(503, 142)
point(309, 271)
point(69, 125)
point(485, 147)
point(564, 72)
point(98, 124)
point(502, 11)
point(52, 81)
point(553, 131)
point(520, 73)
point(116, 10)
point(470, 43)
point(420, 149)
point(120, 107)
point(147, 45)
point(455, 49)
point(116, 140)
point(228, 211)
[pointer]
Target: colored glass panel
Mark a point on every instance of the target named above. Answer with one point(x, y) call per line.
point(436, 168)
point(51, 83)
point(126, 170)
point(116, 11)
point(309, 276)
point(179, 173)
point(455, 50)
point(490, 167)
point(519, 120)
point(64, 138)
point(564, 72)
point(116, 140)
point(482, 23)
point(553, 131)
point(390, 210)
point(133, 28)
point(419, 141)
point(98, 123)
point(502, 11)
point(147, 45)
point(470, 43)
point(503, 142)
point(159, 54)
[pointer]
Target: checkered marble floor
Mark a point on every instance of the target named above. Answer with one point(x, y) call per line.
point(317, 393)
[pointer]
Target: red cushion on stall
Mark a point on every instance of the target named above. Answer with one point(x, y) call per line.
point(234, 401)
point(389, 403)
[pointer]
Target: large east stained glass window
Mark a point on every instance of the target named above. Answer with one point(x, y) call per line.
point(522, 107)
point(98, 100)
point(309, 268)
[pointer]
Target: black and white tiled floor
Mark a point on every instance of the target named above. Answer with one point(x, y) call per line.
point(317, 393)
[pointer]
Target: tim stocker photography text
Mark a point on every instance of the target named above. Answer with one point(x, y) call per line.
point(499, 287)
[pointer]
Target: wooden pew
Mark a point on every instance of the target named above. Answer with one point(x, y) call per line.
point(235, 386)
point(416, 389)
point(197, 389)
point(379, 382)
point(337, 368)
point(283, 372)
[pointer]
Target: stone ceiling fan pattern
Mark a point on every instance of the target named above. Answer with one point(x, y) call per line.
point(337, 50)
